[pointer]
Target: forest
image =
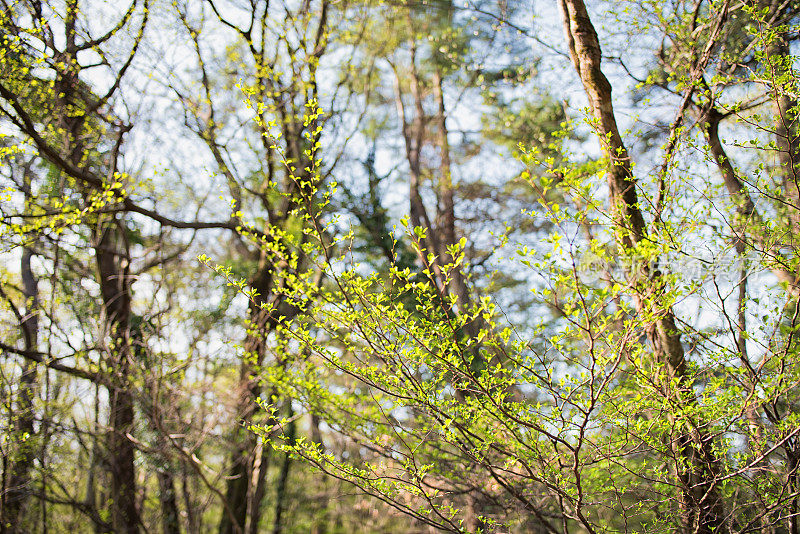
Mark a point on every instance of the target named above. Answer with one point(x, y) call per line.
point(399, 266)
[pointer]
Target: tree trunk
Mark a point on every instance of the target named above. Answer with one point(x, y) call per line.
point(243, 441)
point(90, 499)
point(701, 506)
point(283, 478)
point(192, 522)
point(447, 214)
point(413, 136)
point(787, 130)
point(115, 287)
point(243, 444)
point(170, 520)
point(746, 211)
point(18, 489)
point(242, 492)
point(320, 524)
point(260, 469)
point(787, 136)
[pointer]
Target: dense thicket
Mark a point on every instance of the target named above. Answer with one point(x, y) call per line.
point(399, 266)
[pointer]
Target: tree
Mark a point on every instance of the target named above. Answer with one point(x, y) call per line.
point(278, 50)
point(70, 134)
point(613, 412)
point(19, 460)
point(470, 272)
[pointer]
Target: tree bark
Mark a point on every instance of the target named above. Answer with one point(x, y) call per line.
point(283, 478)
point(787, 137)
point(320, 519)
point(447, 214)
point(113, 267)
point(413, 136)
point(170, 520)
point(240, 488)
point(192, 522)
point(259, 481)
point(18, 491)
point(787, 132)
point(243, 441)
